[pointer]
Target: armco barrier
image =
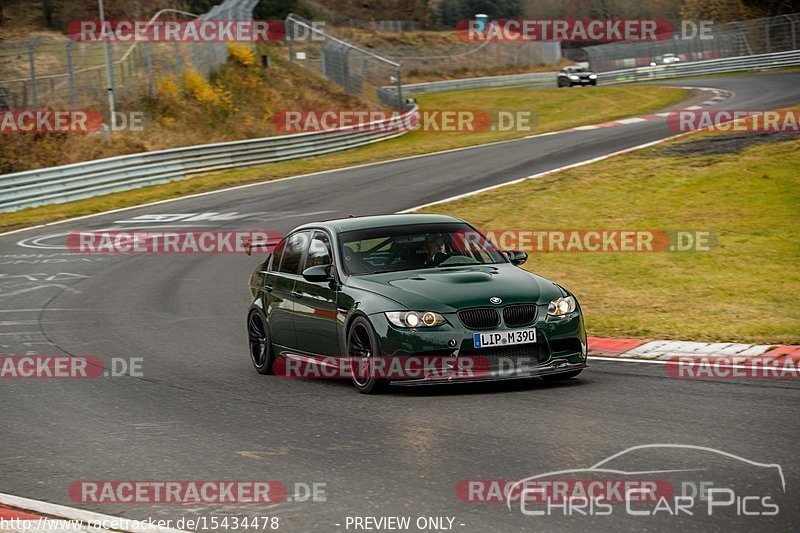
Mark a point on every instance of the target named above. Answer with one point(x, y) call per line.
point(533, 79)
point(103, 176)
point(92, 178)
point(675, 70)
point(702, 68)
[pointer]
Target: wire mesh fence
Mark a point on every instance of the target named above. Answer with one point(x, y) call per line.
point(68, 73)
point(758, 36)
point(359, 71)
point(464, 57)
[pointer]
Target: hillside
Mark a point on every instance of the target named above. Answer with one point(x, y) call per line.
point(237, 103)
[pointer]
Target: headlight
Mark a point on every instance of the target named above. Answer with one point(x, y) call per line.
point(562, 306)
point(574, 78)
point(415, 319)
point(592, 76)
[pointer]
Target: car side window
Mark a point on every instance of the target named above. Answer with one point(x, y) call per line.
point(319, 251)
point(275, 260)
point(293, 252)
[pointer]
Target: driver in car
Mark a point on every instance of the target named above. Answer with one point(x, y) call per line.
point(434, 251)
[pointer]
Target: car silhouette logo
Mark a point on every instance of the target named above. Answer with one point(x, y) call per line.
point(495, 300)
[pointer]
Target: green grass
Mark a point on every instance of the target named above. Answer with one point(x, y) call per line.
point(555, 108)
point(746, 289)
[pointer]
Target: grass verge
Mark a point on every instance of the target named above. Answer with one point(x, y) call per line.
point(555, 108)
point(743, 188)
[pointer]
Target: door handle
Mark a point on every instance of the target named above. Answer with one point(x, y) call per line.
point(268, 287)
point(297, 294)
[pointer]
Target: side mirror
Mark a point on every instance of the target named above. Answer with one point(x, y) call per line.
point(318, 273)
point(517, 257)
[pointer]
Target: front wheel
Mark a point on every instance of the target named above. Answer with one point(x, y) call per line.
point(261, 352)
point(562, 376)
point(362, 346)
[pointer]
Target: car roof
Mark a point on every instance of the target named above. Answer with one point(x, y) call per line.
point(341, 225)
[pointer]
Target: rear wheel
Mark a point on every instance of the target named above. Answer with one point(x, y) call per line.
point(261, 351)
point(562, 376)
point(362, 346)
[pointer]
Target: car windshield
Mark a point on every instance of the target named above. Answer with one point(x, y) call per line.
point(415, 246)
point(578, 69)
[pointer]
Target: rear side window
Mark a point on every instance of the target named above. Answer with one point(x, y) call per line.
point(275, 261)
point(293, 252)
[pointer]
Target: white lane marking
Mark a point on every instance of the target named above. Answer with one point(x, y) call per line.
point(22, 322)
point(575, 165)
point(660, 362)
point(340, 169)
point(694, 107)
point(633, 120)
point(72, 513)
point(40, 310)
point(303, 214)
point(37, 287)
point(542, 174)
point(664, 114)
point(585, 128)
point(297, 176)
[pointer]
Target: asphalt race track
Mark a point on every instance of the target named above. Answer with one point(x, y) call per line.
point(201, 412)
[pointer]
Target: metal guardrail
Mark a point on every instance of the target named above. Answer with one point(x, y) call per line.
point(675, 70)
point(702, 68)
point(533, 79)
point(103, 176)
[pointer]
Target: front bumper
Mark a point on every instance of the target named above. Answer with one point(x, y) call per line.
point(558, 366)
point(560, 347)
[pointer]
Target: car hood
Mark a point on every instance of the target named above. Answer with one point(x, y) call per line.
point(446, 290)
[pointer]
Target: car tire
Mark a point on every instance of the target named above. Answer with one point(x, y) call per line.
point(562, 376)
point(262, 354)
point(362, 342)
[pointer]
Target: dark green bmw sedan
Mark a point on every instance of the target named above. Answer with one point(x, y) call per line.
point(413, 290)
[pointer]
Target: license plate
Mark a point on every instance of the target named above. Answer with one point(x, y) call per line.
point(503, 338)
